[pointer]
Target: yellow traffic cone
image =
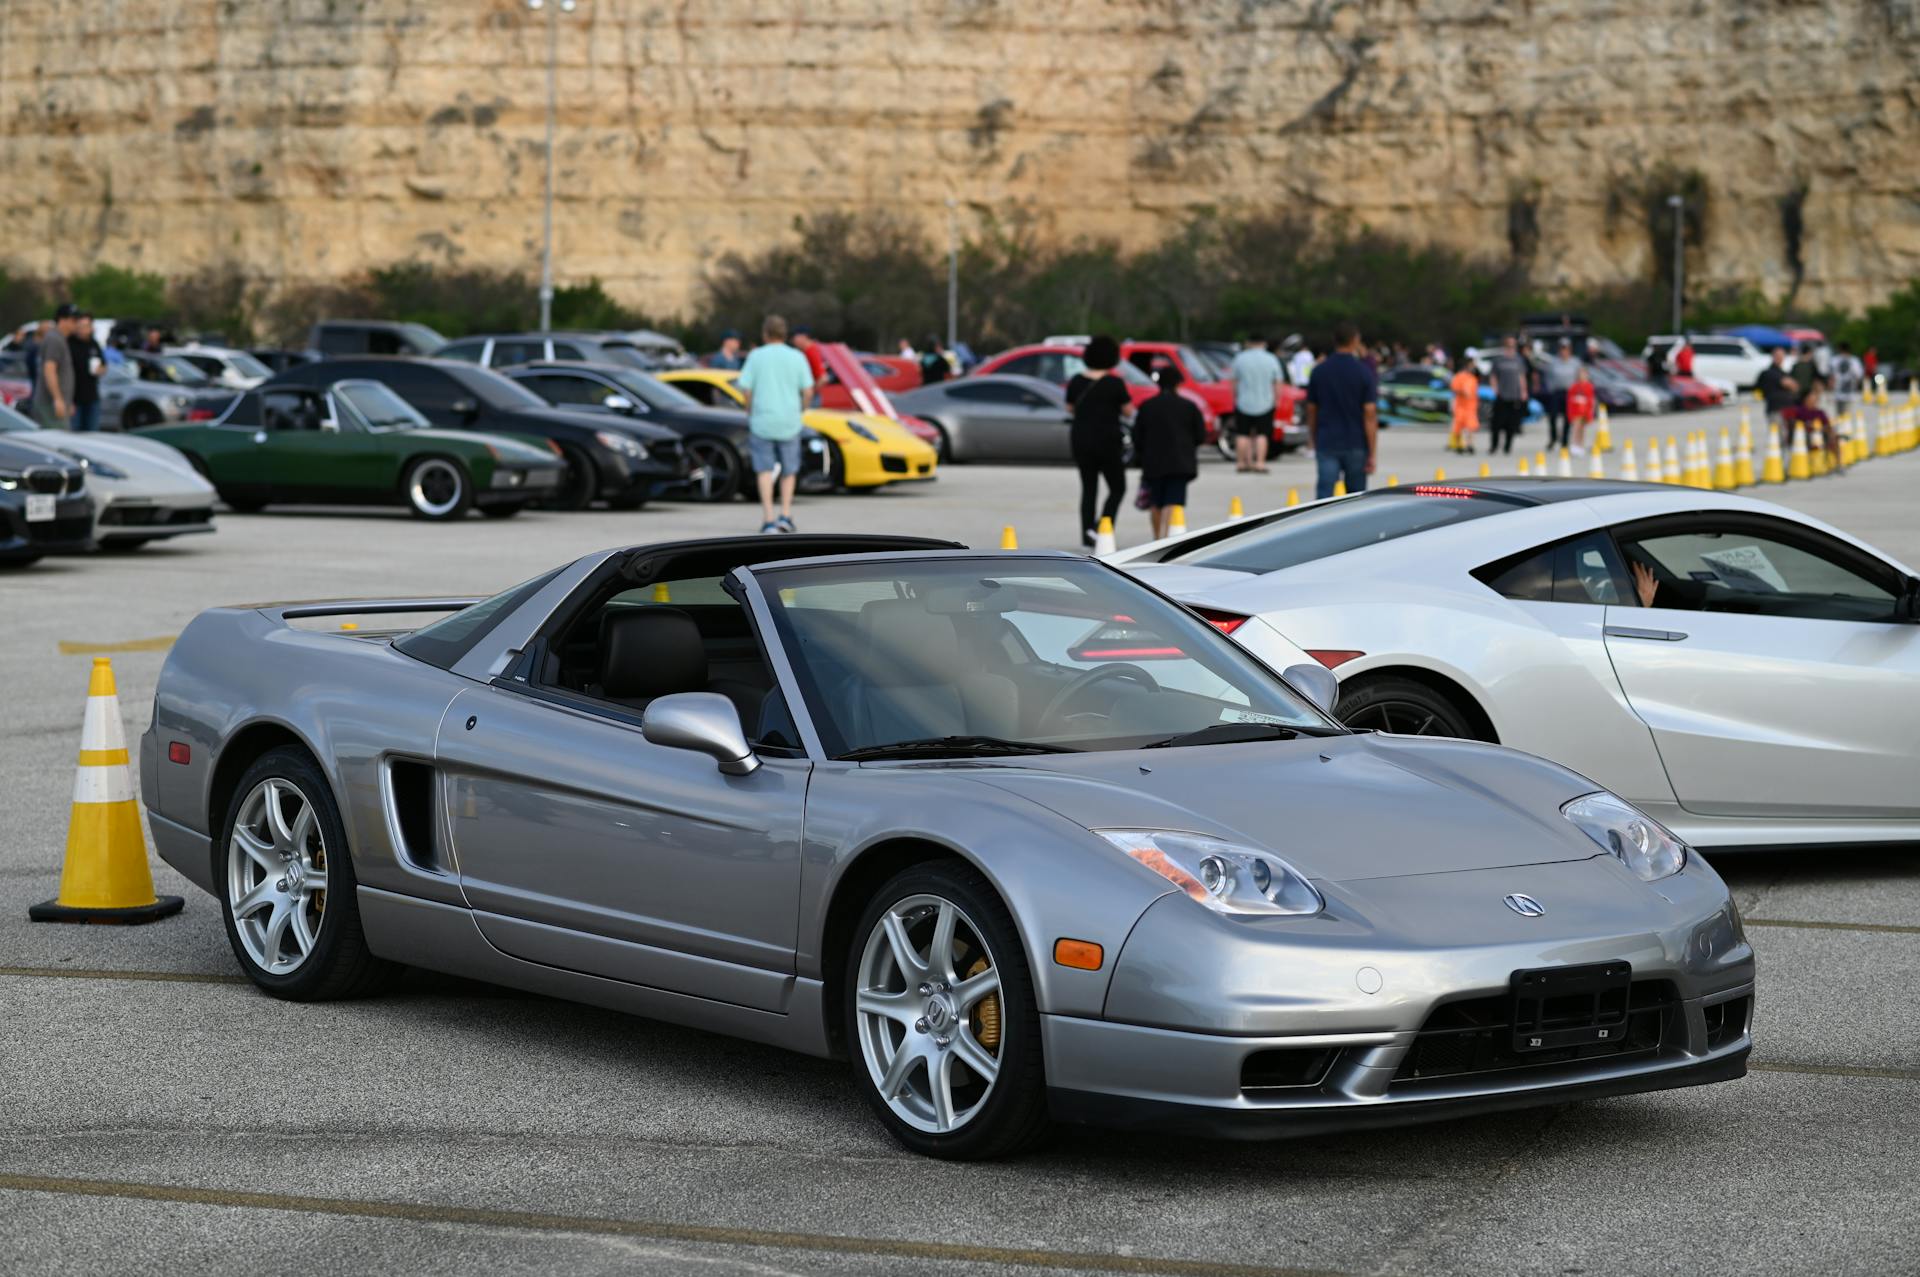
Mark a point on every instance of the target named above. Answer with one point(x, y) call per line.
point(1453, 439)
point(1523, 465)
point(1743, 458)
point(1176, 521)
point(1819, 462)
point(1540, 463)
point(1234, 511)
point(1797, 465)
point(1293, 496)
point(1629, 468)
point(1701, 459)
point(1008, 540)
point(1670, 471)
point(661, 594)
point(1596, 465)
point(1340, 486)
point(1772, 470)
point(1393, 481)
point(1439, 474)
point(105, 878)
point(1602, 431)
point(1486, 470)
point(1566, 463)
point(1724, 475)
point(1103, 542)
point(1746, 421)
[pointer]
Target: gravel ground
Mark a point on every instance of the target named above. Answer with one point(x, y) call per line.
point(180, 1121)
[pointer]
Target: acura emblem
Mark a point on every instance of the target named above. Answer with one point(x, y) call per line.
point(1525, 906)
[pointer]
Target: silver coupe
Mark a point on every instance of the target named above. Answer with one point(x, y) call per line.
point(1022, 838)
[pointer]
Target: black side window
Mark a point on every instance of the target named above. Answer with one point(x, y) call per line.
point(245, 411)
point(561, 350)
point(1527, 577)
point(336, 340)
point(1582, 569)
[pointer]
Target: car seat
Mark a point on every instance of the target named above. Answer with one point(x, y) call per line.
point(657, 651)
point(913, 682)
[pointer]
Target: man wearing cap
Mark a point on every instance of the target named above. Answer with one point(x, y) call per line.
point(728, 356)
point(53, 389)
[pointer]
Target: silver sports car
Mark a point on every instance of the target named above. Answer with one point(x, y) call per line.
point(143, 489)
point(929, 808)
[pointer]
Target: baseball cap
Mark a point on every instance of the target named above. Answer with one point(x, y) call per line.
point(66, 310)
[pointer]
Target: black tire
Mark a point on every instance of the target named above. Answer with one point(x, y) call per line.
point(242, 505)
point(1013, 1113)
point(1388, 703)
point(437, 489)
point(943, 445)
point(138, 415)
point(339, 964)
point(503, 511)
point(582, 484)
point(724, 464)
point(632, 499)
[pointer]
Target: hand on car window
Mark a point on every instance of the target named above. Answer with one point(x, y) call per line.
point(1644, 583)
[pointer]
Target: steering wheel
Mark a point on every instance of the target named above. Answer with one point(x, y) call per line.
point(1098, 674)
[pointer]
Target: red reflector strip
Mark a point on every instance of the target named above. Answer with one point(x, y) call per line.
point(1125, 653)
point(179, 752)
point(1436, 490)
point(1333, 659)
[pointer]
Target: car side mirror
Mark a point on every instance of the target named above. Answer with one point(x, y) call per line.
point(705, 722)
point(1315, 682)
point(619, 403)
point(465, 409)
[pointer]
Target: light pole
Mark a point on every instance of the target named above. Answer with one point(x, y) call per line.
point(546, 227)
point(1679, 206)
point(953, 273)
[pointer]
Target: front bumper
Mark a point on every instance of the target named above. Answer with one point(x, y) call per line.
point(68, 532)
point(150, 517)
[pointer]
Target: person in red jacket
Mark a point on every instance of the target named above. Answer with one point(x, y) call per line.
point(1581, 402)
point(1683, 359)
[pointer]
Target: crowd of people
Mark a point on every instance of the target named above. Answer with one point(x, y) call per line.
point(1796, 393)
point(65, 361)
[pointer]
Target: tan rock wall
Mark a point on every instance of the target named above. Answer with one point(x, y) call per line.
point(304, 139)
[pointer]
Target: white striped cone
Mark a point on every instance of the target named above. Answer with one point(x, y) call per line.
point(105, 877)
point(1103, 542)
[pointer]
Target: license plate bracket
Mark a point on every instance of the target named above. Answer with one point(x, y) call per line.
point(1559, 1007)
point(40, 507)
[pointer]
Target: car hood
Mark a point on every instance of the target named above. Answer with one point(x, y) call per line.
point(644, 431)
point(519, 451)
point(1340, 808)
point(115, 449)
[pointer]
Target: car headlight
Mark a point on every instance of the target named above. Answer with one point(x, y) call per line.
point(626, 445)
point(9, 480)
point(100, 468)
point(1637, 840)
point(1223, 876)
point(179, 402)
point(863, 432)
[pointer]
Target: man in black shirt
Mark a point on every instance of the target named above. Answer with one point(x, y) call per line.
point(1776, 387)
point(1167, 433)
point(87, 360)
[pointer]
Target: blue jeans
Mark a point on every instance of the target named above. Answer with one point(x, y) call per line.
point(765, 454)
point(86, 416)
point(1352, 462)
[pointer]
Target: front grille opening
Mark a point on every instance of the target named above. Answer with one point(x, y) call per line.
point(892, 464)
point(1726, 1021)
point(1475, 1035)
point(412, 786)
point(1286, 1067)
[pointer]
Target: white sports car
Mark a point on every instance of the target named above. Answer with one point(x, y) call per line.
point(143, 489)
point(1747, 675)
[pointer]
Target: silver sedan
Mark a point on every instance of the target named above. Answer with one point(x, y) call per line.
point(1024, 840)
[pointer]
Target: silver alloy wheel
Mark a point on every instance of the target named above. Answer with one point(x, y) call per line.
point(277, 876)
point(714, 464)
point(921, 1022)
point(435, 487)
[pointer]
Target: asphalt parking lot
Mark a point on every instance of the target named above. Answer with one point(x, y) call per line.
point(157, 1114)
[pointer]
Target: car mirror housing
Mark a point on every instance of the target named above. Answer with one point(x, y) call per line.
point(705, 722)
point(618, 403)
point(466, 408)
point(1315, 682)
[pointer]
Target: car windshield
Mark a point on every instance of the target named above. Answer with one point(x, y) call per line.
point(1320, 531)
point(246, 365)
point(175, 369)
point(992, 655)
point(382, 409)
point(496, 390)
point(653, 392)
point(11, 420)
point(422, 338)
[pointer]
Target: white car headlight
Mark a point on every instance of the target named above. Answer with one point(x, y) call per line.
point(1638, 840)
point(1223, 876)
point(622, 443)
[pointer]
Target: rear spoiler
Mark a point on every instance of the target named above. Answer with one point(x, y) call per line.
point(363, 607)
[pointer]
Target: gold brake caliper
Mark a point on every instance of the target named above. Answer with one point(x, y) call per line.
point(986, 1013)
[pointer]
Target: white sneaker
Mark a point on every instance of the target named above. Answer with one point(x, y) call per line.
point(1578, 451)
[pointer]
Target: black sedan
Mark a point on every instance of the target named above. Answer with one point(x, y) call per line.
point(715, 438)
point(45, 507)
point(619, 461)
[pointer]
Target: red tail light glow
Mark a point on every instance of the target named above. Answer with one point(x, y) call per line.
point(1439, 490)
point(1225, 622)
point(201, 414)
point(1333, 658)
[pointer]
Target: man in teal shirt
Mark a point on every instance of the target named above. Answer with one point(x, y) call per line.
point(776, 381)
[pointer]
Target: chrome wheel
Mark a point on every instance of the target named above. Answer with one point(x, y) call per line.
point(717, 468)
point(277, 876)
point(928, 1013)
point(435, 488)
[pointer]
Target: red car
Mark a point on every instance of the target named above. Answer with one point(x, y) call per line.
point(890, 372)
point(1059, 361)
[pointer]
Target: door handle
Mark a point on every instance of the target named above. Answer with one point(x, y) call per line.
point(1658, 636)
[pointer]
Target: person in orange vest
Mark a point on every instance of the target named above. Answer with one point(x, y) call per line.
point(1466, 403)
point(1580, 407)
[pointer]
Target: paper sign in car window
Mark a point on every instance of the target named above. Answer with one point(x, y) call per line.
point(1746, 567)
point(1249, 716)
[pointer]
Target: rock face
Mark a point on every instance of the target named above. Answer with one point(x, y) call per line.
point(303, 140)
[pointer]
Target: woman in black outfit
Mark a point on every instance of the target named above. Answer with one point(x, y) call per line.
point(1100, 400)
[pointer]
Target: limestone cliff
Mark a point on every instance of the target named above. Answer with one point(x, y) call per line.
point(304, 139)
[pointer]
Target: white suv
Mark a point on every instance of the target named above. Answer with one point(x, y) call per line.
point(1717, 357)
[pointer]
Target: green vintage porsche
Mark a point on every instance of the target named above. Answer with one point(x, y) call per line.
point(357, 443)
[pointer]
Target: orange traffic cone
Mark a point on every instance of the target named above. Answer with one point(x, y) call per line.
point(105, 878)
point(1009, 539)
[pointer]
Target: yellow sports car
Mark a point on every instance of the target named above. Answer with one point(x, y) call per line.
point(868, 451)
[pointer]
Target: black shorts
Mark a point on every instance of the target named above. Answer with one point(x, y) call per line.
point(1253, 424)
point(1167, 490)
